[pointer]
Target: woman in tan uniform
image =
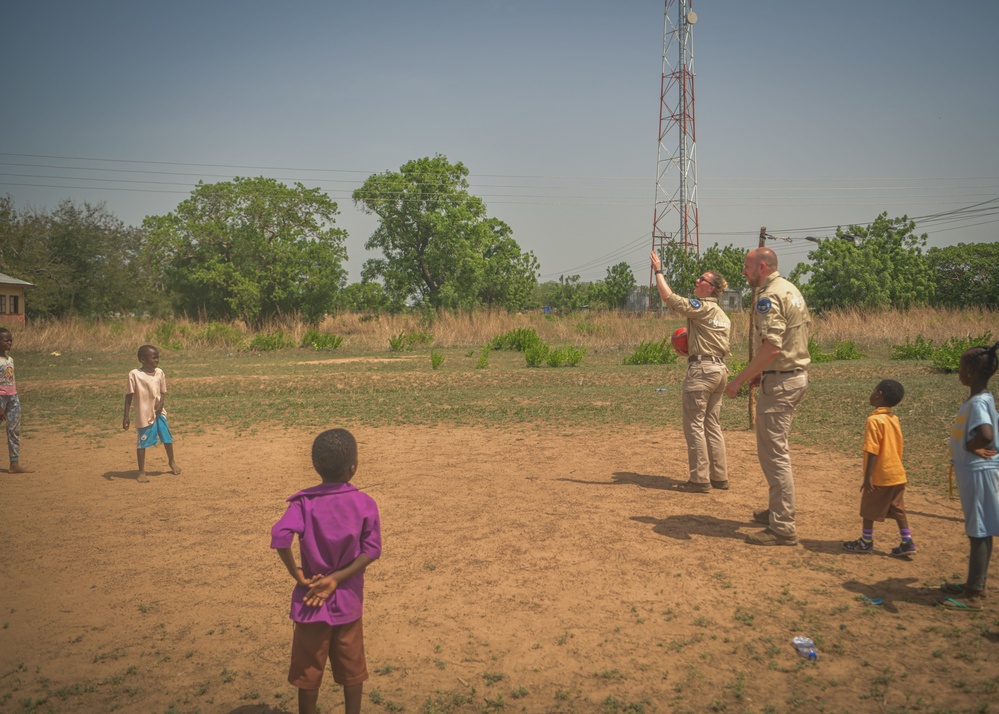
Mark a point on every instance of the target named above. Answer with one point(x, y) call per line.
point(708, 333)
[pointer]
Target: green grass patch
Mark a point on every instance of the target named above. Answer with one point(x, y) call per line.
point(211, 389)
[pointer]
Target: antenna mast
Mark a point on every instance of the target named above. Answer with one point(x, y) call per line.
point(676, 174)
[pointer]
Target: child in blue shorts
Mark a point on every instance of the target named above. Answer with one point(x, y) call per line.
point(148, 387)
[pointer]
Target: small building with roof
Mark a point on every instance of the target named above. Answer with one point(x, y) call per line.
point(12, 293)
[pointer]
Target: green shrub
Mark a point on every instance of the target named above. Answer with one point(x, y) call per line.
point(397, 343)
point(847, 350)
point(918, 349)
point(816, 353)
point(321, 340)
point(554, 358)
point(166, 335)
point(519, 338)
point(653, 352)
point(483, 358)
point(436, 359)
point(419, 339)
point(572, 356)
point(537, 354)
point(271, 341)
point(735, 366)
point(222, 335)
point(409, 340)
point(947, 357)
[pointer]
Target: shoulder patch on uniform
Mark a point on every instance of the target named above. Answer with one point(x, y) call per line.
point(764, 305)
point(695, 303)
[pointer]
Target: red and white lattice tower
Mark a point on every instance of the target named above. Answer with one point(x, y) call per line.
point(675, 218)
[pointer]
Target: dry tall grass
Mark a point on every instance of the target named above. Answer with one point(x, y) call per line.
point(599, 331)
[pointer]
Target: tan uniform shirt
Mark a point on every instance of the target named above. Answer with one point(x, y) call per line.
point(708, 327)
point(782, 319)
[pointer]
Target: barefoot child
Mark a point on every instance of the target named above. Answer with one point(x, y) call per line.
point(976, 469)
point(148, 385)
point(883, 489)
point(339, 535)
point(10, 405)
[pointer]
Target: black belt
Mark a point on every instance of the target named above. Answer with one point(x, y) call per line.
point(785, 371)
point(704, 358)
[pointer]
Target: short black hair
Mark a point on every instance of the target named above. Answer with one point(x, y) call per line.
point(891, 391)
point(5, 331)
point(144, 350)
point(334, 452)
point(983, 360)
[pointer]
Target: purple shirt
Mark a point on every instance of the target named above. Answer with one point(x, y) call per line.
point(335, 523)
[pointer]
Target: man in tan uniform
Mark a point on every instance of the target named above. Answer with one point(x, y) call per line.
point(779, 366)
point(708, 332)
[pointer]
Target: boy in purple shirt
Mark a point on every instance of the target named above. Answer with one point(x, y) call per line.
point(339, 535)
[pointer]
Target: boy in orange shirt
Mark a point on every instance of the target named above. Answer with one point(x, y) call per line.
point(883, 488)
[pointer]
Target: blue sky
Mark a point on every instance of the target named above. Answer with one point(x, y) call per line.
point(809, 115)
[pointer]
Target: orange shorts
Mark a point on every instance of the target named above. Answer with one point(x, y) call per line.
point(316, 642)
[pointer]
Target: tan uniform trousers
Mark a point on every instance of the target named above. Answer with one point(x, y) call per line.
point(703, 388)
point(775, 405)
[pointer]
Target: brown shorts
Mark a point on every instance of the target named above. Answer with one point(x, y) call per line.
point(884, 502)
point(316, 642)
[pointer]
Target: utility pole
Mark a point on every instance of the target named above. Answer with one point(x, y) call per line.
point(676, 171)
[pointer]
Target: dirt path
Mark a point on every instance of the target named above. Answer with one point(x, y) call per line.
point(546, 571)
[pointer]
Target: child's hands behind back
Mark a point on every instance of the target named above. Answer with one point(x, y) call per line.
point(322, 586)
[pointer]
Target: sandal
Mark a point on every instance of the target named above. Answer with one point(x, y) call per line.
point(966, 605)
point(955, 589)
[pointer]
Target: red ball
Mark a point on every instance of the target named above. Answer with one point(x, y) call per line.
point(679, 340)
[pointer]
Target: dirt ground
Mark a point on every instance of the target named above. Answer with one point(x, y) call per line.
point(523, 570)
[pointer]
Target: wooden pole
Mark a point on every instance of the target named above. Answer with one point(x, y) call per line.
point(752, 342)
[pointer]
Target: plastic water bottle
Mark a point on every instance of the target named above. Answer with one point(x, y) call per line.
point(805, 647)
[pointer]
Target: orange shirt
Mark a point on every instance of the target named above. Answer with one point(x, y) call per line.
point(883, 438)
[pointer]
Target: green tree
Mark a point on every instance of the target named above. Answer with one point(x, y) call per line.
point(440, 249)
point(251, 248)
point(885, 269)
point(614, 290)
point(82, 259)
point(726, 262)
point(966, 275)
point(364, 297)
point(680, 267)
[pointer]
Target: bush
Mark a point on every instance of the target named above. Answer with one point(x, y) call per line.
point(436, 359)
point(847, 350)
point(167, 335)
point(918, 349)
point(271, 341)
point(483, 358)
point(537, 354)
point(419, 339)
point(653, 352)
point(408, 340)
point(519, 338)
point(572, 356)
point(816, 353)
point(321, 340)
point(947, 357)
point(397, 343)
point(222, 335)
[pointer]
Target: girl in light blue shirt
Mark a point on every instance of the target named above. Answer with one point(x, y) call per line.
point(976, 468)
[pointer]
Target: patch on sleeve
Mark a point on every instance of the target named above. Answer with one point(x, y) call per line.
point(695, 303)
point(763, 306)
